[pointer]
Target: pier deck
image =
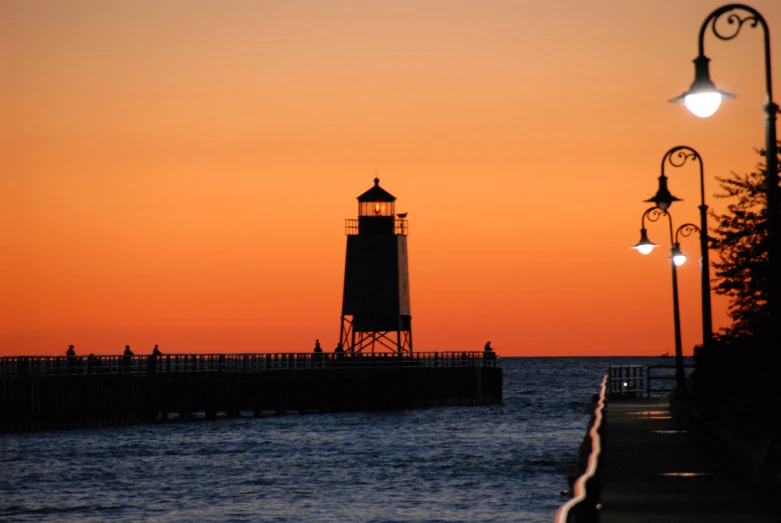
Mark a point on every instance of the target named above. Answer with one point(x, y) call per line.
point(49, 392)
point(651, 471)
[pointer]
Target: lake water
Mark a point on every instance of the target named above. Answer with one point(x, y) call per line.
point(494, 463)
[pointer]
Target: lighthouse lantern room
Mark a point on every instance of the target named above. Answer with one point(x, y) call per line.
point(376, 303)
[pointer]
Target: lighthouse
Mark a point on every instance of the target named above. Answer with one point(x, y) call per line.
point(376, 304)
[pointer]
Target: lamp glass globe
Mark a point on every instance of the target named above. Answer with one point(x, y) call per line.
point(702, 104)
point(645, 249)
point(679, 259)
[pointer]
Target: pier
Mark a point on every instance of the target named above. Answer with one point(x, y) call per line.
point(69, 392)
point(645, 462)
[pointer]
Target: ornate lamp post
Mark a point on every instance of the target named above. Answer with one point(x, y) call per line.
point(703, 99)
point(677, 156)
point(645, 246)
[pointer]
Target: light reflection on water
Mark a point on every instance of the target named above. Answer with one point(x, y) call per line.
point(497, 463)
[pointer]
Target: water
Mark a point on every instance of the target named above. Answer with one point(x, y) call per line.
point(496, 463)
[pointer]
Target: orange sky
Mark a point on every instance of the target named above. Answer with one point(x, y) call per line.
point(179, 172)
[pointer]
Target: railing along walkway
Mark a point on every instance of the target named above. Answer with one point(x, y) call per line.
point(637, 381)
point(25, 366)
point(586, 489)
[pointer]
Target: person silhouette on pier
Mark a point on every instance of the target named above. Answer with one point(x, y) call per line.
point(71, 355)
point(318, 356)
point(488, 352)
point(126, 357)
point(153, 359)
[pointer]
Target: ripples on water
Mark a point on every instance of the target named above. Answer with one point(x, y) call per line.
point(496, 463)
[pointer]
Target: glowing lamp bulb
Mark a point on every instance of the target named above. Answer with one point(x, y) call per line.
point(702, 104)
point(644, 246)
point(679, 259)
point(377, 208)
point(645, 249)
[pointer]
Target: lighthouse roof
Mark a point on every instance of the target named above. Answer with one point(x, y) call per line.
point(376, 194)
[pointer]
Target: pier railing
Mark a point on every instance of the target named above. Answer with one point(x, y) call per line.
point(229, 363)
point(660, 379)
point(637, 381)
point(626, 380)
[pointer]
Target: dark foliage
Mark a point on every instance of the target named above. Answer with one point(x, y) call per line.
point(741, 242)
point(735, 381)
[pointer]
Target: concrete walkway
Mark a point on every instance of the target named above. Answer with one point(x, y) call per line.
point(654, 472)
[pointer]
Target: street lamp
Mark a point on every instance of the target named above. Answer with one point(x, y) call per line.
point(679, 258)
point(703, 99)
point(645, 246)
point(677, 156)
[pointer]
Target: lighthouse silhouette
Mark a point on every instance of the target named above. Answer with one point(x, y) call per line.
point(375, 304)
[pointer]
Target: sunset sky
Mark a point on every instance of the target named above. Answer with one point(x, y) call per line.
point(179, 172)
